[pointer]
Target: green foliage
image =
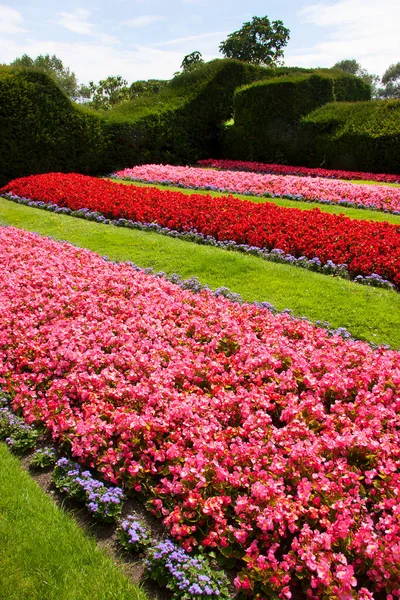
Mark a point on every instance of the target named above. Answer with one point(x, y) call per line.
point(192, 61)
point(258, 42)
point(347, 88)
point(390, 90)
point(362, 136)
point(44, 458)
point(43, 131)
point(108, 92)
point(392, 73)
point(268, 113)
point(141, 87)
point(182, 123)
point(391, 82)
point(53, 66)
point(19, 436)
point(348, 65)
point(352, 67)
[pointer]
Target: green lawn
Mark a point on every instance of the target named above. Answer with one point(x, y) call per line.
point(368, 313)
point(44, 554)
point(352, 213)
point(367, 182)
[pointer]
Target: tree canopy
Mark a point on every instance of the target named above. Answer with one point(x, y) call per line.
point(391, 82)
point(192, 61)
point(142, 87)
point(108, 92)
point(351, 66)
point(258, 42)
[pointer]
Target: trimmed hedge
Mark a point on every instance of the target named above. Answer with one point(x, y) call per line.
point(362, 136)
point(41, 130)
point(184, 124)
point(268, 113)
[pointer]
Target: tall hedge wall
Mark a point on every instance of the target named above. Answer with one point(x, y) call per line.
point(268, 113)
point(362, 136)
point(184, 125)
point(40, 129)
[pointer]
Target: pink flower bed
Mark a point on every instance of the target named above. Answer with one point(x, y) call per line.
point(312, 189)
point(252, 433)
point(258, 167)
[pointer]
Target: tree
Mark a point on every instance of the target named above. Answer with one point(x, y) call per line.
point(151, 86)
point(192, 61)
point(351, 66)
point(108, 92)
point(391, 81)
point(348, 65)
point(259, 42)
point(54, 67)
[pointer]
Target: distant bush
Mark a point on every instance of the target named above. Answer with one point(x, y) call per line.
point(361, 135)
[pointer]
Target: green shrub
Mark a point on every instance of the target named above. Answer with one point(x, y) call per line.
point(363, 136)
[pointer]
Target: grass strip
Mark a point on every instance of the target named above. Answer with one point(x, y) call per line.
point(44, 555)
point(371, 182)
point(353, 213)
point(371, 314)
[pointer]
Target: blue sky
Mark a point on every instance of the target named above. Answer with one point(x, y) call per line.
point(147, 39)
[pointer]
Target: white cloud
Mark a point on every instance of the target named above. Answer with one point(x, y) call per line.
point(95, 61)
point(143, 21)
point(362, 29)
point(206, 43)
point(76, 21)
point(350, 12)
point(10, 20)
point(191, 38)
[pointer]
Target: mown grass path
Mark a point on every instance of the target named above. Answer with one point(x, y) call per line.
point(368, 313)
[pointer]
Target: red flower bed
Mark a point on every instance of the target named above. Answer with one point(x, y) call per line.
point(258, 167)
point(365, 246)
point(253, 433)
